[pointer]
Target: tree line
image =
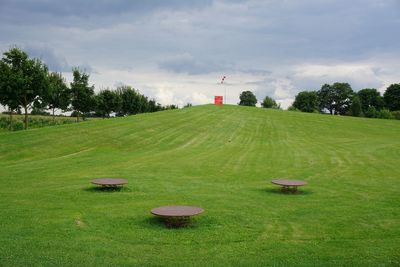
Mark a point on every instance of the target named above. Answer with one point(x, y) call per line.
point(247, 98)
point(339, 99)
point(26, 84)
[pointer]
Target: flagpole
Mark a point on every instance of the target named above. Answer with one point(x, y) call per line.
point(222, 82)
point(225, 95)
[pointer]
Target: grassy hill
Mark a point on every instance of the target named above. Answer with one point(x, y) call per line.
point(219, 158)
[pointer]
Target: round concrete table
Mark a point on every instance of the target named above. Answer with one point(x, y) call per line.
point(109, 182)
point(289, 186)
point(176, 216)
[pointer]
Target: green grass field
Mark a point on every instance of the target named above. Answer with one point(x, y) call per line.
point(218, 158)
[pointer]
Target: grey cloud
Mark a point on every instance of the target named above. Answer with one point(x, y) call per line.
point(89, 13)
point(55, 62)
point(259, 32)
point(86, 68)
point(254, 72)
point(356, 83)
point(188, 64)
point(276, 87)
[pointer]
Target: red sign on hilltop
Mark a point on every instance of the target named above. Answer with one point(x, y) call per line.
point(218, 100)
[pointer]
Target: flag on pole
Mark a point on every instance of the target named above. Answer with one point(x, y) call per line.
point(223, 79)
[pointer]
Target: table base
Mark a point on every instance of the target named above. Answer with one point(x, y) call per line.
point(289, 189)
point(177, 222)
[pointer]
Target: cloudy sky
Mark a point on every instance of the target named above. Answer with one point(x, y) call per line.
point(177, 51)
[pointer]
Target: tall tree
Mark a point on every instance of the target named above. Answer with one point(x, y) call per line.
point(133, 102)
point(8, 97)
point(26, 79)
point(247, 98)
point(58, 94)
point(108, 101)
point(370, 97)
point(356, 107)
point(335, 98)
point(268, 102)
point(326, 98)
point(306, 101)
point(343, 96)
point(392, 97)
point(82, 95)
point(130, 100)
point(143, 103)
point(154, 106)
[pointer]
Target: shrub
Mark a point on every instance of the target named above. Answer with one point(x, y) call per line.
point(3, 122)
point(371, 112)
point(17, 125)
point(384, 114)
point(291, 108)
point(268, 102)
point(356, 108)
point(34, 121)
point(396, 114)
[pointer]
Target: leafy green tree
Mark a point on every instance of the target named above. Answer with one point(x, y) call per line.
point(344, 95)
point(268, 102)
point(130, 101)
point(396, 114)
point(39, 108)
point(335, 98)
point(370, 97)
point(356, 109)
point(58, 95)
point(291, 108)
point(247, 98)
point(153, 106)
point(8, 96)
point(168, 107)
point(306, 101)
point(159, 107)
point(385, 114)
point(23, 80)
point(143, 104)
point(108, 101)
point(82, 95)
point(133, 102)
point(371, 112)
point(392, 97)
point(326, 98)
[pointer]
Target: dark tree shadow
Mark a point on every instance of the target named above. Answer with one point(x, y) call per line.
point(155, 222)
point(279, 191)
point(102, 189)
point(152, 222)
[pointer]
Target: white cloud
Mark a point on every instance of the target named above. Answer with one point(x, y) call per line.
point(283, 88)
point(199, 98)
point(165, 96)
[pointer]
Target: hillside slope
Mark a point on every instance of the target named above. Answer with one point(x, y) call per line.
point(219, 158)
